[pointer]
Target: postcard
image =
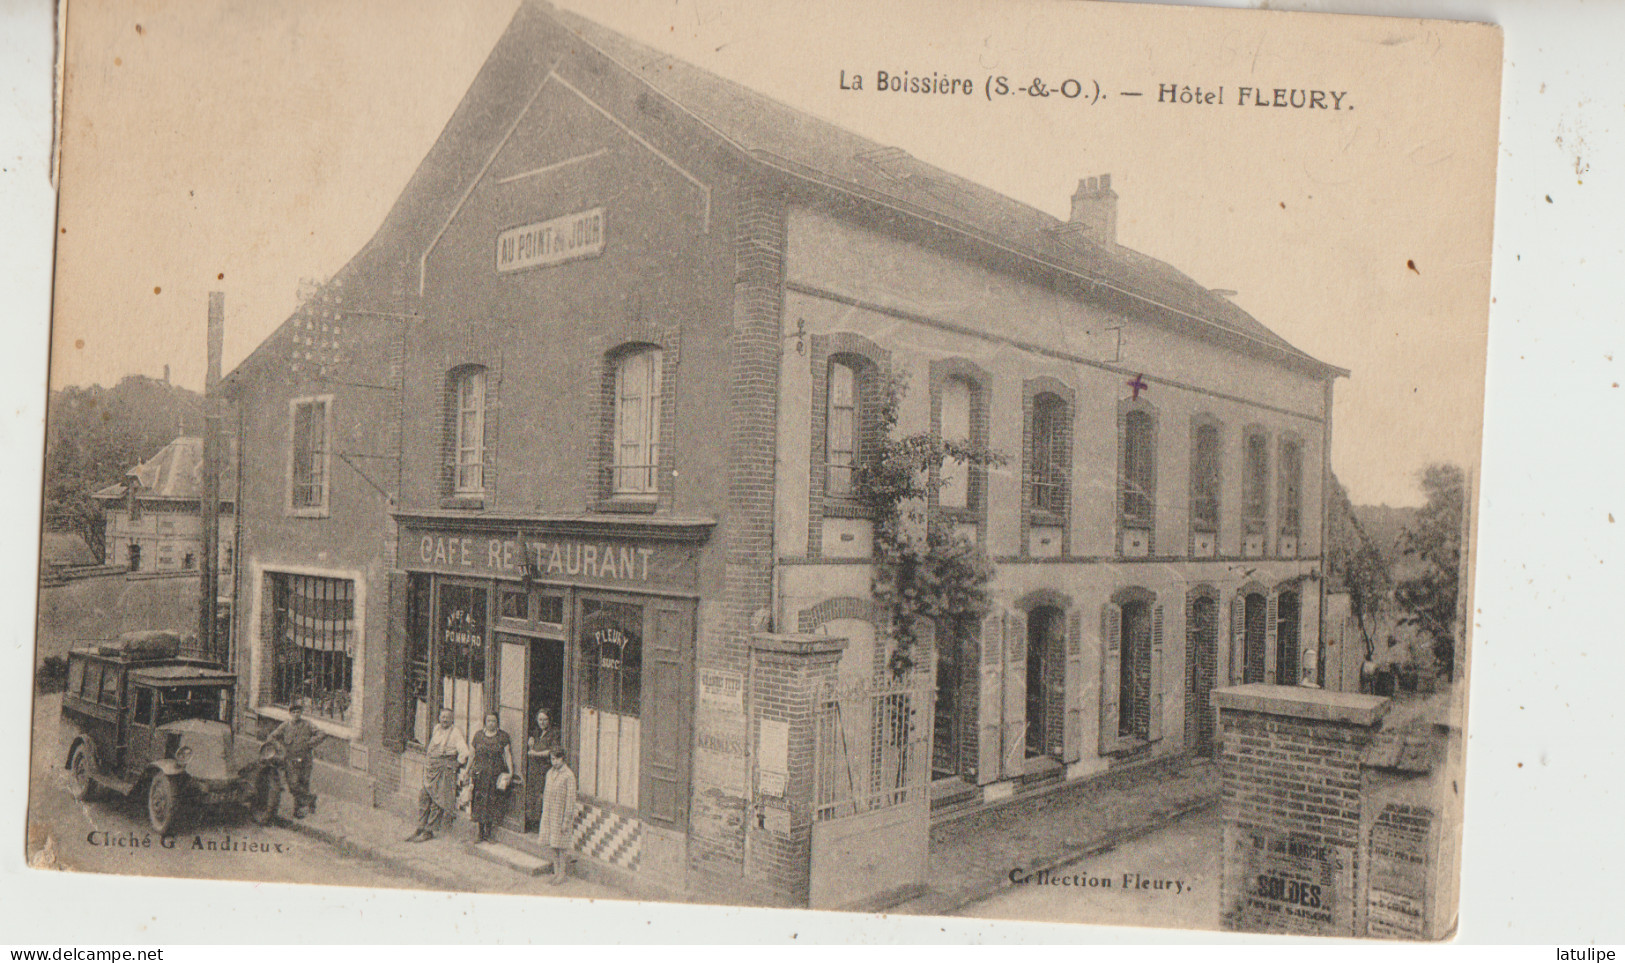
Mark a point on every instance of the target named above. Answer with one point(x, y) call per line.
point(997, 459)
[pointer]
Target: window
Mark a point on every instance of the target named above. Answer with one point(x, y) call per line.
point(308, 482)
point(1139, 468)
point(1048, 469)
point(468, 398)
point(1136, 639)
point(635, 460)
point(844, 429)
point(419, 710)
point(1131, 671)
point(135, 556)
point(313, 643)
point(610, 664)
point(1288, 610)
point(76, 677)
point(1205, 479)
point(460, 658)
point(1291, 495)
point(958, 395)
point(143, 706)
point(189, 561)
point(1255, 481)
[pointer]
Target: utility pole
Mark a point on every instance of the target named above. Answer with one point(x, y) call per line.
point(209, 582)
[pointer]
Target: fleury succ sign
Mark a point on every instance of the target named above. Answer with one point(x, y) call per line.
point(614, 561)
point(551, 242)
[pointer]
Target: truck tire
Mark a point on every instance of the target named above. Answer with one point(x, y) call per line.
point(81, 778)
point(163, 803)
point(262, 806)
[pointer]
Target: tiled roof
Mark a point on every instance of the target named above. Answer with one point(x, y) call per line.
point(798, 143)
point(175, 473)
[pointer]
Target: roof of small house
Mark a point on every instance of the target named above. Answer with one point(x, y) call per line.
point(174, 474)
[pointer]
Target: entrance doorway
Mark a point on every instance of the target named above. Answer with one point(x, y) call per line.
point(1256, 621)
point(1286, 638)
point(1044, 681)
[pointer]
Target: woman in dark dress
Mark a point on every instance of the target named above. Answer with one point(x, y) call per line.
point(493, 756)
point(538, 747)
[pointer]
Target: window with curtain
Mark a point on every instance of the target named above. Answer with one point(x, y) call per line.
point(1291, 487)
point(1048, 470)
point(1255, 481)
point(609, 663)
point(1139, 467)
point(957, 400)
point(843, 429)
point(309, 455)
point(468, 417)
point(635, 460)
point(1205, 479)
point(313, 643)
point(460, 656)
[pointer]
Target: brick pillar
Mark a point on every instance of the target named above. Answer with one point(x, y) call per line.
point(1291, 762)
point(791, 678)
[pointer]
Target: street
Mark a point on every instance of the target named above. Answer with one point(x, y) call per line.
point(1169, 878)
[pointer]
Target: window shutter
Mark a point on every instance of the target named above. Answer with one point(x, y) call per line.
point(1272, 613)
point(1015, 694)
point(1154, 697)
point(1072, 731)
point(990, 701)
point(663, 784)
point(1238, 639)
point(1111, 638)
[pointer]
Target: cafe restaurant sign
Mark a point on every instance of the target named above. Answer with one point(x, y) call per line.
point(599, 561)
point(546, 243)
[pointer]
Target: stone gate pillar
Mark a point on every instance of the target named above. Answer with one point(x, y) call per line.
point(791, 676)
point(1291, 760)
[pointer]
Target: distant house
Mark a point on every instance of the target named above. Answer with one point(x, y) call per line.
point(153, 517)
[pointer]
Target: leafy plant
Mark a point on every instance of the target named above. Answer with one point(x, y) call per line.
point(1429, 600)
point(924, 573)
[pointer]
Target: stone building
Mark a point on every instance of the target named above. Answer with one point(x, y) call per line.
point(580, 429)
point(152, 517)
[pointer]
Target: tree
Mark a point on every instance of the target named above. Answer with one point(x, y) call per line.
point(95, 435)
point(1429, 600)
point(1354, 558)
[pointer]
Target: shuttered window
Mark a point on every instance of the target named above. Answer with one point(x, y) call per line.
point(468, 393)
point(1255, 481)
point(1048, 469)
point(1139, 467)
point(958, 395)
point(1291, 494)
point(1205, 479)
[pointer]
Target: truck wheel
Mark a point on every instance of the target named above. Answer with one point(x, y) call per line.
point(267, 797)
point(163, 803)
point(80, 781)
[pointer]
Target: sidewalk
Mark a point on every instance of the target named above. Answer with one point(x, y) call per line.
point(447, 862)
point(972, 855)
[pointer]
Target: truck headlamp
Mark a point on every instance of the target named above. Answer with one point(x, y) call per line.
point(183, 755)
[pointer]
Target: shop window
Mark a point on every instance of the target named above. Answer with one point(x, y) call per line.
point(844, 429)
point(1255, 481)
point(309, 451)
point(1205, 479)
point(1139, 486)
point(635, 458)
point(1291, 488)
point(313, 643)
point(466, 395)
point(957, 402)
point(609, 692)
point(1047, 471)
point(459, 658)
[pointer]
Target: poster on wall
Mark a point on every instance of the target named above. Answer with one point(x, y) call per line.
point(738, 365)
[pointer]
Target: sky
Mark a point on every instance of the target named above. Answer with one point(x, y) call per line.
point(243, 146)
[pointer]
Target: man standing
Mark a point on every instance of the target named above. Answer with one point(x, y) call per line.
point(299, 740)
point(558, 813)
point(437, 802)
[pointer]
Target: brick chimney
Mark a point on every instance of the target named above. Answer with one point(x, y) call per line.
point(1094, 208)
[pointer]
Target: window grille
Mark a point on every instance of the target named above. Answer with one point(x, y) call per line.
point(313, 643)
point(843, 430)
point(309, 455)
point(635, 464)
point(1049, 452)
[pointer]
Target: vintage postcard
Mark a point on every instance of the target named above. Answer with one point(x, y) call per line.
point(999, 459)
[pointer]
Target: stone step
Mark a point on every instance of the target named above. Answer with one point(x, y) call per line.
point(515, 859)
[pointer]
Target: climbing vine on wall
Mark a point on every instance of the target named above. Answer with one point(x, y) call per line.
point(924, 573)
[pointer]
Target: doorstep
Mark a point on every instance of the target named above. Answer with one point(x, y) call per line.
point(515, 859)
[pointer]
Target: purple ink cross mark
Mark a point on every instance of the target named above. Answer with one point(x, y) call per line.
point(1138, 384)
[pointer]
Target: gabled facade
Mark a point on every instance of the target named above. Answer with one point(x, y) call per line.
point(586, 433)
point(152, 520)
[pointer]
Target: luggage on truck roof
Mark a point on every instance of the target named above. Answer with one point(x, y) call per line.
point(143, 646)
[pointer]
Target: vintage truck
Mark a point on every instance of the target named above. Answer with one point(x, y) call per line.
point(138, 718)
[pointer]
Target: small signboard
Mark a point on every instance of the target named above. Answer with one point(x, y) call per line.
point(772, 756)
point(546, 243)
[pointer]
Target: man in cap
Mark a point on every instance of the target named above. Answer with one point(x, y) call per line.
point(299, 740)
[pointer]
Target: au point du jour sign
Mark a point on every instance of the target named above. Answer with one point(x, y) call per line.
point(551, 242)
